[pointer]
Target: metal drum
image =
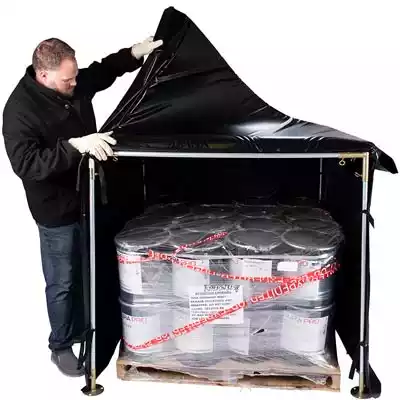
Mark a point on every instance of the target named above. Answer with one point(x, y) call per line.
point(139, 275)
point(275, 225)
point(142, 322)
point(252, 242)
point(206, 225)
point(198, 255)
point(258, 337)
point(214, 210)
point(304, 330)
point(318, 249)
point(292, 213)
point(327, 226)
point(196, 348)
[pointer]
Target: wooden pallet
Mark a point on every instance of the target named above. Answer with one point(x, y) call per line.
point(128, 371)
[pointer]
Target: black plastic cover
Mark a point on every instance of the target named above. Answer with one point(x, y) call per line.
point(186, 98)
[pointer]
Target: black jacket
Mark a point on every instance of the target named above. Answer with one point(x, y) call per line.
point(37, 123)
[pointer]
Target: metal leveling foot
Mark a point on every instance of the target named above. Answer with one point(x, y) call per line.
point(365, 394)
point(89, 391)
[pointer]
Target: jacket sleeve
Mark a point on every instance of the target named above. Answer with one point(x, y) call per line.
point(29, 159)
point(99, 76)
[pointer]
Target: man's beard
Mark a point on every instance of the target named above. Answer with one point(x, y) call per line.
point(65, 93)
point(69, 93)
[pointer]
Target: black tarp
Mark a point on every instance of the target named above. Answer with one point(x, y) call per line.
point(186, 98)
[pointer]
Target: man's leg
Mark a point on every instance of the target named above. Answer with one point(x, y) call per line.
point(77, 302)
point(60, 251)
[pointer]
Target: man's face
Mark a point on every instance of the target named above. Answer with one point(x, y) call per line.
point(63, 79)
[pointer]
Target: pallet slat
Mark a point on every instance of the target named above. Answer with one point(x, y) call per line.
point(128, 372)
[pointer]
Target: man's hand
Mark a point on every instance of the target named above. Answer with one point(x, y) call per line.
point(146, 47)
point(95, 144)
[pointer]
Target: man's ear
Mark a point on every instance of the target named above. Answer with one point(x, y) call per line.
point(41, 74)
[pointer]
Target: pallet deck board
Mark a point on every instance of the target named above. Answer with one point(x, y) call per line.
point(128, 371)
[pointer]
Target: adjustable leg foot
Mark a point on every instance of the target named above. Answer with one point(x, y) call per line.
point(366, 394)
point(88, 391)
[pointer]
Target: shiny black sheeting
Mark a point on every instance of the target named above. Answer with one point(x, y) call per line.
point(186, 98)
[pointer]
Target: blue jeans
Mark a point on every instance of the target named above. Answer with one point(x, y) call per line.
point(61, 262)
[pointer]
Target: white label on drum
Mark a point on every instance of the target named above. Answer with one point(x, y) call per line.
point(131, 274)
point(256, 268)
point(207, 300)
point(183, 277)
point(239, 338)
point(287, 266)
point(138, 330)
point(303, 334)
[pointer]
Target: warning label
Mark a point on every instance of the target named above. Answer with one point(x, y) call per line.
point(208, 299)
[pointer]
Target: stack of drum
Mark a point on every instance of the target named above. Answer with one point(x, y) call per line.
point(162, 293)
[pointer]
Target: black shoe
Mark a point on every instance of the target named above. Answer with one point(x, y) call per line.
point(67, 363)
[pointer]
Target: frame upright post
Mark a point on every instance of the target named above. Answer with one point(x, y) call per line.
point(362, 391)
point(92, 388)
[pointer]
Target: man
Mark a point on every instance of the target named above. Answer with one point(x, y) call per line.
point(48, 123)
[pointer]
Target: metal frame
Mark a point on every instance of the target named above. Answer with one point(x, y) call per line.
point(361, 391)
point(92, 388)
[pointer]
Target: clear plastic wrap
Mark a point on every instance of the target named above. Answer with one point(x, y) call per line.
point(222, 291)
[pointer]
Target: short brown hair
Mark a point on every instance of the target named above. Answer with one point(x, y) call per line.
point(50, 53)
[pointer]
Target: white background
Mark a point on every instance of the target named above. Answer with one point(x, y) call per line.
point(335, 63)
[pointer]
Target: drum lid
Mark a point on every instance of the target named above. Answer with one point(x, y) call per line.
point(268, 224)
point(310, 240)
point(141, 239)
point(188, 238)
point(323, 225)
point(256, 240)
point(215, 210)
point(297, 212)
point(205, 225)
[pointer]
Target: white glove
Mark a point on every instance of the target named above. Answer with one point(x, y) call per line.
point(146, 47)
point(95, 144)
